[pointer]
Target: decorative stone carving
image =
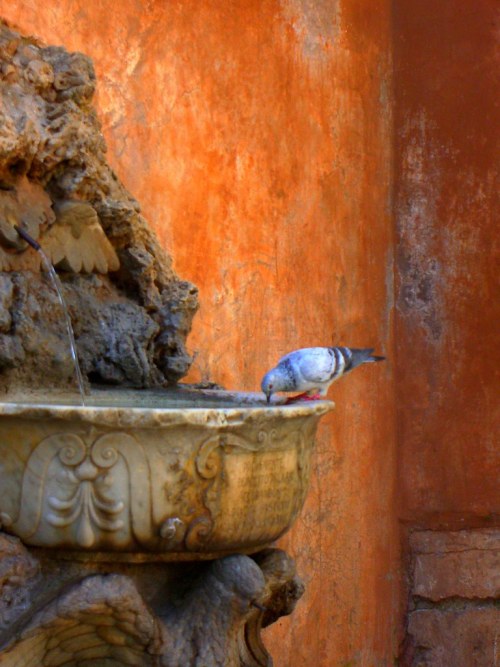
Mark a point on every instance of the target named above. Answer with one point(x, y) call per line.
point(77, 241)
point(210, 616)
point(98, 491)
point(174, 481)
point(104, 489)
point(66, 485)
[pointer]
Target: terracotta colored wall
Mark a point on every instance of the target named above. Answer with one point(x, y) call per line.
point(447, 120)
point(256, 135)
point(447, 150)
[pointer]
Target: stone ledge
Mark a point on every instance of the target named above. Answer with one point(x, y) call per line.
point(445, 541)
point(463, 564)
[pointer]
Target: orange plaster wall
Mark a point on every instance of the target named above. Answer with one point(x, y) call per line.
point(257, 137)
point(448, 313)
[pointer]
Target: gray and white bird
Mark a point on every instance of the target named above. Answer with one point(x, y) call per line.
point(311, 370)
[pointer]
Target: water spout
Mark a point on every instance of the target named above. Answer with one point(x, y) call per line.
point(49, 268)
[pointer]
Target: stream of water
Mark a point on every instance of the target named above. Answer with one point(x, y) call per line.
point(54, 278)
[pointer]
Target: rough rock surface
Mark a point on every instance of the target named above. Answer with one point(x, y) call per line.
point(170, 615)
point(131, 313)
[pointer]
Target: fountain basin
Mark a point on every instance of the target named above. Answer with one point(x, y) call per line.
point(178, 475)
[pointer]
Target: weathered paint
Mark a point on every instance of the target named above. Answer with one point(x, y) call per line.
point(448, 313)
point(257, 137)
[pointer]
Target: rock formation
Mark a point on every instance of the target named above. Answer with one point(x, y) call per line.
point(207, 615)
point(131, 313)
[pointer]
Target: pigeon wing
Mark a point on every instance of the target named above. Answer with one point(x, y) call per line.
point(312, 365)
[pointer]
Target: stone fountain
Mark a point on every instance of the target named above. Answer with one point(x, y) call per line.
point(137, 528)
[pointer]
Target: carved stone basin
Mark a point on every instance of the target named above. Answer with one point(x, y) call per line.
point(181, 475)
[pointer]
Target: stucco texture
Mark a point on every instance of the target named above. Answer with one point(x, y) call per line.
point(446, 206)
point(257, 137)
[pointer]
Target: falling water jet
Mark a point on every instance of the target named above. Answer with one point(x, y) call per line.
point(58, 287)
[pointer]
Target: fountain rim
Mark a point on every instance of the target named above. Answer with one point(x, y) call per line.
point(143, 417)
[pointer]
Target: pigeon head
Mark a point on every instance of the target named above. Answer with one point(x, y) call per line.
point(273, 381)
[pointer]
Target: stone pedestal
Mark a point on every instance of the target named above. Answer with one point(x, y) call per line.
point(57, 611)
point(129, 528)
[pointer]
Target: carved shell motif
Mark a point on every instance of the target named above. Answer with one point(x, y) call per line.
point(77, 241)
point(68, 231)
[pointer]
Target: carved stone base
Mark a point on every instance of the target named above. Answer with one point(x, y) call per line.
point(55, 612)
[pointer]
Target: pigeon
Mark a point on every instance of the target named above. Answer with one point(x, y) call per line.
point(311, 370)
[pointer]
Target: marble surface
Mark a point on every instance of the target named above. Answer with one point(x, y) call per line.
point(183, 474)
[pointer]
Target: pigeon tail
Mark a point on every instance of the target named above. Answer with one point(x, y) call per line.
point(362, 356)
